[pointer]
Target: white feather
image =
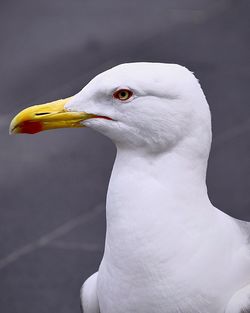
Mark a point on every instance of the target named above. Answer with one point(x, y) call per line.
point(168, 249)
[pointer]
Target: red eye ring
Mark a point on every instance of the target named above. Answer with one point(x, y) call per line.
point(123, 94)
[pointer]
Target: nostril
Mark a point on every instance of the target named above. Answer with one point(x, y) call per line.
point(43, 113)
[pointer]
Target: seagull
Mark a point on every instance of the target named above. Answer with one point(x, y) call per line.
point(167, 248)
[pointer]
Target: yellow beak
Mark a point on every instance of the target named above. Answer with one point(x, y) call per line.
point(47, 116)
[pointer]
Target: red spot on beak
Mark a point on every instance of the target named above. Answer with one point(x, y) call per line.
point(29, 127)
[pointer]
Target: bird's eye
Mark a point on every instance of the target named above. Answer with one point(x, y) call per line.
point(123, 94)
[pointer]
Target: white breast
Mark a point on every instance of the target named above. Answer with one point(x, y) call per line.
point(165, 253)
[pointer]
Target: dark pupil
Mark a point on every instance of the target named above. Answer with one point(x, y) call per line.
point(123, 94)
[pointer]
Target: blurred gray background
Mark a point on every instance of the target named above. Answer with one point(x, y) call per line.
point(53, 185)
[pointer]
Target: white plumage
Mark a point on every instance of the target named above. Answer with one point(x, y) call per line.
point(168, 249)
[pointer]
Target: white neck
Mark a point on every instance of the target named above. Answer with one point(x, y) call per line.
point(167, 182)
point(151, 196)
point(162, 228)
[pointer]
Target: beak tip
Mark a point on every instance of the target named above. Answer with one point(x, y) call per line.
point(11, 129)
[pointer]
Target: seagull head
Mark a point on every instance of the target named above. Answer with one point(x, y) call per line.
point(150, 107)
